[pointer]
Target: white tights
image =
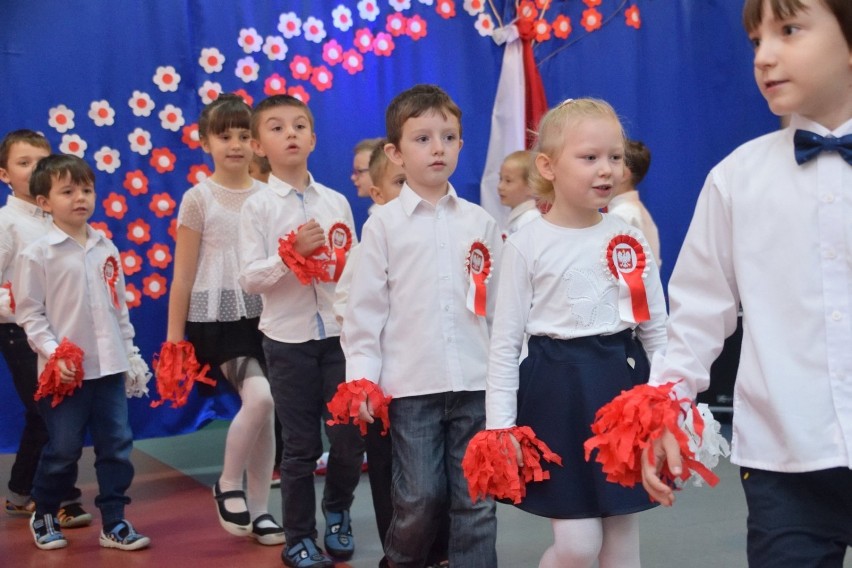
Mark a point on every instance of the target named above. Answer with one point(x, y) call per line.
point(577, 543)
point(250, 443)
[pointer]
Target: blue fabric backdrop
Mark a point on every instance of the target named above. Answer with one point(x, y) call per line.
point(681, 80)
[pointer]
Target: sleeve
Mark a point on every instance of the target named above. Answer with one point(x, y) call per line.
point(7, 253)
point(702, 294)
point(629, 213)
point(191, 212)
point(652, 333)
point(494, 236)
point(514, 298)
point(124, 325)
point(260, 269)
point(368, 307)
point(30, 312)
point(341, 291)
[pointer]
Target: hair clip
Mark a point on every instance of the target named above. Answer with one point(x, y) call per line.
point(565, 103)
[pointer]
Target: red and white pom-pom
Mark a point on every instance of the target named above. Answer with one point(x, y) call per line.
point(491, 466)
point(176, 370)
point(137, 377)
point(315, 266)
point(50, 380)
point(347, 400)
point(709, 445)
point(7, 300)
point(631, 422)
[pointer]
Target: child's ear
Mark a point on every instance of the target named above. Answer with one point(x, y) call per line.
point(394, 155)
point(4, 176)
point(544, 165)
point(256, 148)
point(376, 195)
point(42, 202)
point(205, 144)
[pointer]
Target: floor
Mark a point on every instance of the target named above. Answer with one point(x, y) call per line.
point(173, 504)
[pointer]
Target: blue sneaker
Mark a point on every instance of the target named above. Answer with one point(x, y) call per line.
point(339, 541)
point(124, 537)
point(46, 533)
point(305, 554)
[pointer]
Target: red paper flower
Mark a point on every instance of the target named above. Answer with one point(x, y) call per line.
point(542, 30)
point(332, 52)
point(396, 24)
point(159, 256)
point(139, 232)
point(592, 3)
point(275, 84)
point(162, 205)
point(136, 182)
point(102, 228)
point(592, 19)
point(247, 98)
point(446, 9)
point(631, 17)
point(190, 136)
point(415, 27)
point(301, 68)
point(542, 4)
point(154, 286)
point(527, 10)
point(115, 206)
point(198, 173)
point(162, 160)
point(173, 229)
point(353, 61)
point(364, 40)
point(131, 263)
point(562, 26)
point(383, 44)
point(132, 296)
point(300, 93)
point(321, 78)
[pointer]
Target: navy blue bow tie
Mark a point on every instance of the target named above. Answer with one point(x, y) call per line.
point(809, 144)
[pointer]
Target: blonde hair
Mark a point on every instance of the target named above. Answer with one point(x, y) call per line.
point(523, 159)
point(551, 135)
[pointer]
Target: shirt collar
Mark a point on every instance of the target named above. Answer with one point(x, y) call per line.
point(283, 188)
point(410, 200)
point(27, 208)
point(56, 236)
point(800, 122)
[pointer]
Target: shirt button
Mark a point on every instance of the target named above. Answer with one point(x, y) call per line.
point(445, 277)
point(446, 308)
point(828, 197)
point(443, 245)
point(836, 315)
point(830, 253)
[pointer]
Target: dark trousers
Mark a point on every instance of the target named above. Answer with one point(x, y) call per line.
point(304, 377)
point(798, 520)
point(23, 366)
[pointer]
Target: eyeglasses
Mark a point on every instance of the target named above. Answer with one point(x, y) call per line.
point(360, 171)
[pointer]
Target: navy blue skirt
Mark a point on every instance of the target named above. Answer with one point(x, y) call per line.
point(562, 384)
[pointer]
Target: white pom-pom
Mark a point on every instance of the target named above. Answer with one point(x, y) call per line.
point(711, 445)
point(136, 379)
point(5, 303)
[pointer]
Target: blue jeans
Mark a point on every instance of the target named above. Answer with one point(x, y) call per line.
point(430, 435)
point(101, 406)
point(303, 378)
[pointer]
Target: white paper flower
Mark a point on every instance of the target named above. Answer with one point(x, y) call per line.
point(209, 92)
point(211, 60)
point(101, 113)
point(61, 118)
point(247, 69)
point(368, 10)
point(167, 79)
point(341, 18)
point(141, 104)
point(171, 118)
point(140, 141)
point(400, 5)
point(107, 159)
point(484, 25)
point(314, 30)
point(250, 40)
point(275, 48)
point(289, 25)
point(426, 2)
point(474, 7)
point(73, 144)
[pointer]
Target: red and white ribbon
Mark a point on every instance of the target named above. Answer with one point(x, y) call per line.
point(478, 263)
point(339, 241)
point(111, 277)
point(626, 261)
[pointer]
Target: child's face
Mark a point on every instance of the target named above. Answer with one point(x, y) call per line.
point(390, 185)
point(285, 137)
point(428, 150)
point(512, 187)
point(587, 168)
point(230, 150)
point(802, 64)
point(71, 204)
point(361, 173)
point(22, 160)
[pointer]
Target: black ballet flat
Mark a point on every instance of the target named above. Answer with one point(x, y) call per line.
point(238, 524)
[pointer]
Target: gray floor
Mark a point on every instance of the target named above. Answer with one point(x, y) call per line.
point(705, 529)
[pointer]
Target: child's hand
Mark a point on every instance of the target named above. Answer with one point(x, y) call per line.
point(309, 238)
point(365, 412)
point(66, 370)
point(518, 454)
point(666, 451)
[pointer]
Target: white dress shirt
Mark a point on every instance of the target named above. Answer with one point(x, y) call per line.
point(21, 223)
point(341, 293)
point(553, 283)
point(521, 215)
point(406, 326)
point(777, 237)
point(67, 295)
point(292, 312)
point(629, 207)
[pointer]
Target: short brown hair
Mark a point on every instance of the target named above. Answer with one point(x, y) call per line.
point(782, 9)
point(227, 111)
point(368, 145)
point(413, 103)
point(24, 136)
point(57, 166)
point(637, 159)
point(276, 101)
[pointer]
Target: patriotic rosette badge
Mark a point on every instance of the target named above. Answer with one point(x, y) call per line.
point(340, 241)
point(478, 264)
point(626, 262)
point(111, 277)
